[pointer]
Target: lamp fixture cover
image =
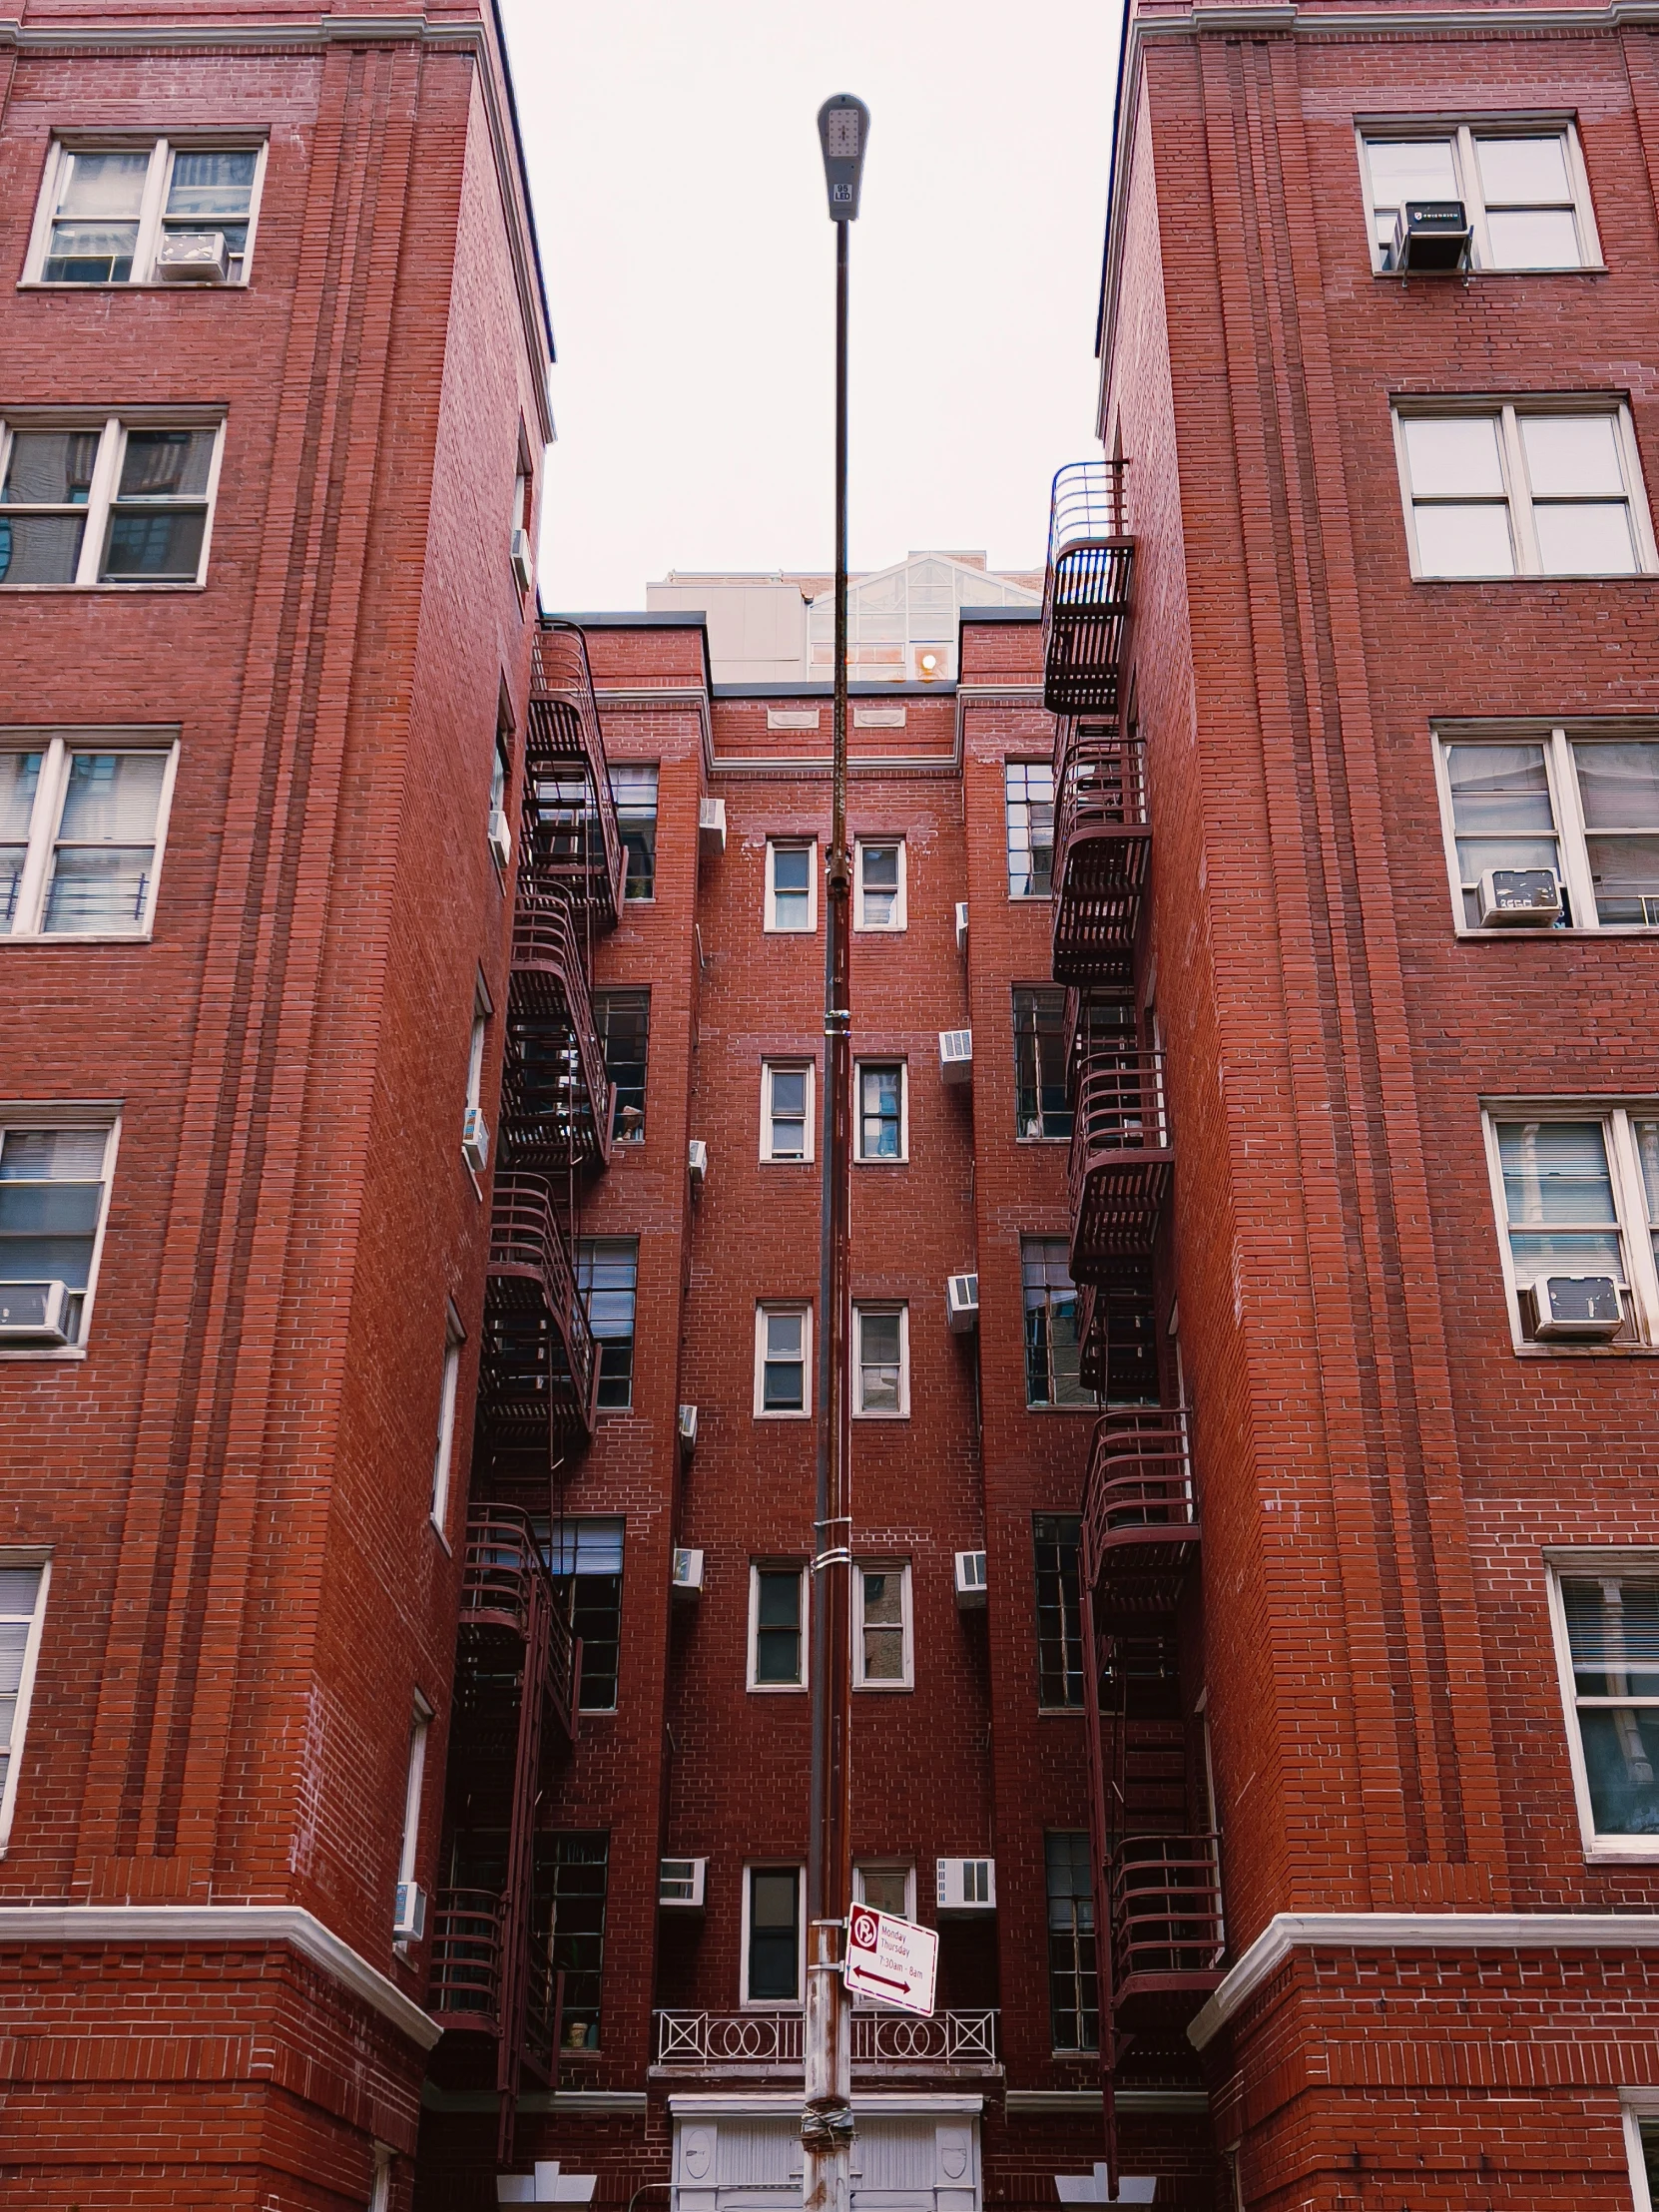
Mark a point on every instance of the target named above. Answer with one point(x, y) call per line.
point(843, 133)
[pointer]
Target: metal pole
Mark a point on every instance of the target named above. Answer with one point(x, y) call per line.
point(826, 2120)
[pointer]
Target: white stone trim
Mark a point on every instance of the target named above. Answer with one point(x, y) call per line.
point(228, 1924)
point(1418, 1931)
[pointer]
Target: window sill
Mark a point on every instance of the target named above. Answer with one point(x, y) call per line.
point(903, 1161)
point(787, 1161)
point(1553, 577)
point(1093, 1411)
point(436, 1527)
point(858, 1415)
point(85, 591)
point(1635, 1853)
point(1059, 1712)
point(1030, 899)
point(884, 1689)
point(1577, 933)
point(1565, 269)
point(140, 283)
point(1526, 1351)
point(1066, 1139)
point(777, 1689)
point(79, 937)
point(43, 1352)
point(803, 1414)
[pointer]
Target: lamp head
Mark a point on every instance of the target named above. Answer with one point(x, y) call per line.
point(843, 133)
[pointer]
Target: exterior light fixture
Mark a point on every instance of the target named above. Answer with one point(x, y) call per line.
point(843, 133)
point(929, 666)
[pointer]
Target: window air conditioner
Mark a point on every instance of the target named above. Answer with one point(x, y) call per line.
point(970, 1586)
point(409, 1918)
point(1518, 898)
point(475, 1139)
point(696, 1162)
point(956, 1056)
point(193, 258)
point(961, 925)
point(1583, 1306)
point(33, 1312)
point(966, 1885)
point(681, 1882)
point(500, 837)
point(523, 571)
point(711, 824)
point(687, 1430)
point(1431, 236)
point(688, 1572)
point(961, 1304)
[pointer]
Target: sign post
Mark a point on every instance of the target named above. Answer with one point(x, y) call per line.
point(893, 1959)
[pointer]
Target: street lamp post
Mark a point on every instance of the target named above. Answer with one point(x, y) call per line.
point(827, 2119)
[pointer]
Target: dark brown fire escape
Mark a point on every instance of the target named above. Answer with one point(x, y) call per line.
point(1157, 1888)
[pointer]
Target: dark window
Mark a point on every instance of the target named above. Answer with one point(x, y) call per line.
point(584, 1558)
point(623, 1019)
point(1030, 800)
point(607, 1270)
point(1040, 1108)
point(1056, 1538)
point(634, 787)
point(1073, 1991)
point(778, 1626)
point(1613, 1635)
point(1051, 1342)
point(774, 1934)
point(881, 1111)
point(570, 1877)
point(1650, 2158)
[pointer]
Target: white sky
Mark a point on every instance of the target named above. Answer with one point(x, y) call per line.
point(690, 260)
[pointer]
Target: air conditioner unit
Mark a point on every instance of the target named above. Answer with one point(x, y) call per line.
point(409, 1918)
point(681, 1882)
point(966, 1885)
point(711, 824)
point(34, 1313)
point(961, 1302)
point(475, 1139)
point(696, 1162)
point(523, 568)
point(1519, 899)
point(1431, 236)
point(687, 1430)
point(970, 1586)
point(956, 1056)
point(1582, 1306)
point(500, 837)
point(688, 1571)
point(961, 925)
point(193, 258)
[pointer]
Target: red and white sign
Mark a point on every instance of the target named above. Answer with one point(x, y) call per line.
point(890, 1958)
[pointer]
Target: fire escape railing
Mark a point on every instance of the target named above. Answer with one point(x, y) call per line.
point(1086, 590)
point(1119, 1167)
point(1167, 1930)
point(1140, 1514)
point(1101, 845)
point(539, 1366)
point(505, 1585)
point(559, 1100)
point(583, 860)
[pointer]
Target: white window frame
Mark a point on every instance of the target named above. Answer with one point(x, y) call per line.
point(1573, 1562)
point(900, 1567)
point(901, 905)
point(862, 1310)
point(1467, 169)
point(757, 1567)
point(155, 188)
point(1557, 740)
point(26, 1114)
point(1630, 1205)
point(745, 2002)
point(23, 1556)
point(454, 1336)
point(59, 745)
point(1518, 500)
point(1635, 2106)
point(420, 1722)
point(101, 494)
point(875, 1863)
point(861, 1158)
point(788, 1067)
point(762, 1308)
point(791, 844)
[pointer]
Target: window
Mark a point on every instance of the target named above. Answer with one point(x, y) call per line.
point(623, 1021)
point(884, 1111)
point(633, 789)
point(1056, 1538)
point(773, 1935)
point(23, 1580)
point(1578, 1195)
point(571, 1873)
point(880, 889)
point(415, 1777)
point(444, 1453)
point(1586, 805)
point(1523, 191)
point(1040, 1106)
point(502, 776)
point(1641, 2128)
point(778, 1627)
point(882, 1658)
point(1051, 1340)
point(888, 1887)
point(1500, 490)
point(792, 886)
point(786, 1109)
point(881, 1362)
point(1031, 802)
point(54, 1192)
point(80, 833)
point(105, 502)
point(1073, 1989)
point(782, 1349)
point(584, 1558)
point(133, 215)
point(607, 1273)
point(1606, 1615)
